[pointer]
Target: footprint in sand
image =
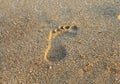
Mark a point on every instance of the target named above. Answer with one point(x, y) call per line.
point(55, 51)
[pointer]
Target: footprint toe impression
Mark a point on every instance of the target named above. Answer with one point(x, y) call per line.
point(61, 27)
point(72, 31)
point(66, 27)
point(74, 28)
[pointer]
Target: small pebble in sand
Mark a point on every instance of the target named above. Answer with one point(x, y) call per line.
point(50, 67)
point(118, 17)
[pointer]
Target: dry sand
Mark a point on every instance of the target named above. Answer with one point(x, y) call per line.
point(92, 56)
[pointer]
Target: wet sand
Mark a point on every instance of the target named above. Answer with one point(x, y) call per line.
point(31, 54)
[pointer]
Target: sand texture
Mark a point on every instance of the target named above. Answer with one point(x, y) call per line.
point(59, 41)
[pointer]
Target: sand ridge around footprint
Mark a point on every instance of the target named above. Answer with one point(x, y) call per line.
point(56, 51)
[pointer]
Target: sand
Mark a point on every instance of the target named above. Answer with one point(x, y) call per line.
point(31, 54)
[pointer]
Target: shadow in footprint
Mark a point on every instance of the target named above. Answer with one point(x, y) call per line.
point(56, 53)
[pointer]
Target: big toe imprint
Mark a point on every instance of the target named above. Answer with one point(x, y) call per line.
point(55, 51)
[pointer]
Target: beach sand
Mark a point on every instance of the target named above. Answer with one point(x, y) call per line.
point(59, 42)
